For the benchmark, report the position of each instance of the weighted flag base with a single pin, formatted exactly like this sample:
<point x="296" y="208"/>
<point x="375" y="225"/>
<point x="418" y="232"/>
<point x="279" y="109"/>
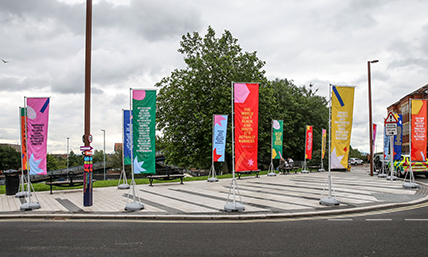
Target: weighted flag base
<point x="123" y="186"/>
<point x="134" y="206"/>
<point x="410" y="185"/>
<point x="329" y="201"/>
<point x="21" y="194"/>
<point x="212" y="179"/>
<point x="29" y="206"/>
<point x="229" y="207"/>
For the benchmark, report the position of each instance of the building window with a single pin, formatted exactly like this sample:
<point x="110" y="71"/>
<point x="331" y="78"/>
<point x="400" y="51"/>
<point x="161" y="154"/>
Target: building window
<point x="404" y="108"/>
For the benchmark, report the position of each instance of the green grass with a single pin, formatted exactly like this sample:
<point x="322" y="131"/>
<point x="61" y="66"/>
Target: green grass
<point x="113" y="183"/>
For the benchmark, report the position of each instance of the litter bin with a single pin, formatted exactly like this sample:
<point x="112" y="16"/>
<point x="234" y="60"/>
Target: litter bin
<point x="11" y="181"/>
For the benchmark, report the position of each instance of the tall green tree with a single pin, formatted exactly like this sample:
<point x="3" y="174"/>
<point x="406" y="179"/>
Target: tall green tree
<point x="189" y="97"/>
<point x="298" y="107"/>
<point x="9" y="158"/>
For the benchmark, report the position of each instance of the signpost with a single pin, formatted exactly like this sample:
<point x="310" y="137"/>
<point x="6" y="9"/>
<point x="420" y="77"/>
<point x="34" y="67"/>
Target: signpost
<point x="391" y="130"/>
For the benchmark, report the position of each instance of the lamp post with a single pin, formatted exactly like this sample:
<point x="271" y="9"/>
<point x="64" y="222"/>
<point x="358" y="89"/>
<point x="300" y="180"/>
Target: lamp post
<point x="104" y="152"/>
<point x="370" y="118"/>
<point x="67" y="150"/>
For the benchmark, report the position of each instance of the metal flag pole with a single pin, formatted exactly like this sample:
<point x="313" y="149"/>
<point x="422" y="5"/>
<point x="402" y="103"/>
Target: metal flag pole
<point x="411" y="184"/>
<point x="322" y="149"/>
<point x="330" y="200"/>
<point x="305" y="169"/>
<point x="28" y="206"/>
<point x="271" y="171"/>
<point x="22" y="192"/>
<point x="233" y="206"/>
<point x="122" y="177"/>
<point x="212" y="176"/>
<point x="134" y="205"/>
<point x="382" y="174"/>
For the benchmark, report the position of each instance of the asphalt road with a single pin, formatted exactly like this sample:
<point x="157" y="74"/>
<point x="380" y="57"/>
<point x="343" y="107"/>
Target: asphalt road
<point x="397" y="232"/>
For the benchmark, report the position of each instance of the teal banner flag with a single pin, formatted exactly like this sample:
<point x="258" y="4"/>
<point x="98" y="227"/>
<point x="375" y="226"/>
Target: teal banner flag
<point x="143" y="131"/>
<point x="277" y="137"/>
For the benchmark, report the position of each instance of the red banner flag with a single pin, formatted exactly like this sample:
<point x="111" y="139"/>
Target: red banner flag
<point x="309" y="140"/>
<point x="246" y="104"/>
<point x="419" y="130"/>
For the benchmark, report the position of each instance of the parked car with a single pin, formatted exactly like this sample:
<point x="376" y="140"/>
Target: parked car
<point x="355" y="161"/>
<point x="403" y="165"/>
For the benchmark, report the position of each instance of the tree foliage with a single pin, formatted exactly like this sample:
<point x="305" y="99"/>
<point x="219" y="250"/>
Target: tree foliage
<point x="9" y="158"/>
<point x="188" y="99"/>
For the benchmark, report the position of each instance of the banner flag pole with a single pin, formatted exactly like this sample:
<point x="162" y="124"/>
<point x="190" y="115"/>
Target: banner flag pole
<point x="22" y="120"/>
<point x="322" y="149"/>
<point x="28" y="205"/>
<point x="233" y="206"/>
<point x="122" y="177"/>
<point x="382" y="173"/>
<point x="304" y="168"/>
<point x="271" y="170"/>
<point x="134" y="205"/>
<point x="412" y="184"/>
<point x="330" y="200"/>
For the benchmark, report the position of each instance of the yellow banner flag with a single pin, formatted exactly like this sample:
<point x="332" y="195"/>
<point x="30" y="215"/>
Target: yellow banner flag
<point x="342" y="107"/>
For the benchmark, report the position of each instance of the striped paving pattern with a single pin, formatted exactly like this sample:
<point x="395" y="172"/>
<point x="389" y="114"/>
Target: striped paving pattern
<point x="280" y="194"/>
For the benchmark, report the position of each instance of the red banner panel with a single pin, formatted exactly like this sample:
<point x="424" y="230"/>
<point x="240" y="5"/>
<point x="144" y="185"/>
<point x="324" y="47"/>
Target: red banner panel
<point x="419" y="130"/>
<point x="309" y="140"/>
<point x="246" y="105"/>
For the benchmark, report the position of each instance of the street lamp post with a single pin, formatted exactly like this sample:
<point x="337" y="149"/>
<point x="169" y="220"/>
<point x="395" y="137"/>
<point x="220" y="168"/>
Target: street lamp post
<point x="104" y="152"/>
<point x="370" y="117"/>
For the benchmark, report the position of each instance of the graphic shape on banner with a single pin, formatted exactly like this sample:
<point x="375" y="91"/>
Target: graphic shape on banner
<point x="309" y="142"/>
<point x="127" y="137"/>
<point x="277" y="138"/>
<point x="342" y="107"/>
<point x="23" y="138"/>
<point x="419" y="130"/>
<point x="219" y="137"/>
<point x="246" y="125"/>
<point x="398" y="139"/>
<point x="143" y="130"/>
<point x="385" y="145"/>
<point x="37" y="134"/>
<point x="374" y="136"/>
<point x="323" y="143"/>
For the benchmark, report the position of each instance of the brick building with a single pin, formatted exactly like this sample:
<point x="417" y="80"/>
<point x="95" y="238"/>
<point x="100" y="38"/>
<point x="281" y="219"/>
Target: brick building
<point x="402" y="107"/>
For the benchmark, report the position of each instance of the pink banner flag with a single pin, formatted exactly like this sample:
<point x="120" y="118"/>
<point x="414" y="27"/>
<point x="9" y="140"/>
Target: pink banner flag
<point x="37" y="134"/>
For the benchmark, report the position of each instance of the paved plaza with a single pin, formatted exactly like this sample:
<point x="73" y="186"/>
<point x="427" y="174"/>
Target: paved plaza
<point x="281" y="196"/>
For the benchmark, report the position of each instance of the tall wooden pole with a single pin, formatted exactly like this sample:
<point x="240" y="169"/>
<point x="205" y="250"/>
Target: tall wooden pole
<point x="87" y="187"/>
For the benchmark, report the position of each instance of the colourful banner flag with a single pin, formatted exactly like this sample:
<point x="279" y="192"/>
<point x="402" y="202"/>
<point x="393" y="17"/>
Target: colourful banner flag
<point x="342" y="107"/>
<point x="23" y="114"/>
<point x="37" y="134"/>
<point x="246" y="103"/>
<point x="143" y="130"/>
<point x="219" y="137"/>
<point x="385" y="145"/>
<point x="309" y="142"/>
<point x="323" y="143"/>
<point x="277" y="139"/>
<point x="374" y="137"/>
<point x="419" y="130"/>
<point x="398" y="139"/>
<point x="127" y="137"/>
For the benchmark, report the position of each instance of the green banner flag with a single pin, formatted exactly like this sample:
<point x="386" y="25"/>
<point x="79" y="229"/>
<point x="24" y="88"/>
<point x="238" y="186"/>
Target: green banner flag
<point x="143" y="130"/>
<point x="277" y="136"/>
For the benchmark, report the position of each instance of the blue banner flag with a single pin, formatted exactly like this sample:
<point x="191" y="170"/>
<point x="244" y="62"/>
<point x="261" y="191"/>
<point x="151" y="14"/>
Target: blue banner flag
<point x="398" y="139"/>
<point x="385" y="144"/>
<point x="127" y="137"/>
<point x="219" y="137"/>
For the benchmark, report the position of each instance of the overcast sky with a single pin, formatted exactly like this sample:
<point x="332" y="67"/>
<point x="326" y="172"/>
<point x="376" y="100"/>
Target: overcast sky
<point x="135" y="42"/>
